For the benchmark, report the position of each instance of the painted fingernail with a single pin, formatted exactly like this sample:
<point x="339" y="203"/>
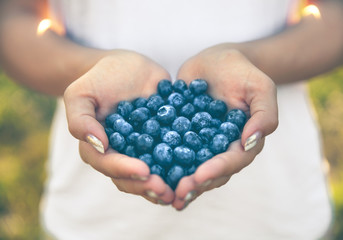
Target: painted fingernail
<point x="186" y="204"/>
<point x="161" y="202"/>
<point x="252" y="141"/>
<point x="96" y="143"/>
<point x="151" y="194"/>
<point x="188" y="199"/>
<point x="190" y="196"/>
<point x="140" y="178"/>
<point x="206" y="183"/>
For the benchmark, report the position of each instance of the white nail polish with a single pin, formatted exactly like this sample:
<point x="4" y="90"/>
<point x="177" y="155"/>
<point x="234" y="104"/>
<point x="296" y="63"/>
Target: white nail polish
<point x="161" y="202"/>
<point x="206" y="183"/>
<point x="190" y="196"/>
<point x="140" y="178"/>
<point x="151" y="194"/>
<point x="96" y="143"/>
<point x="252" y="141"/>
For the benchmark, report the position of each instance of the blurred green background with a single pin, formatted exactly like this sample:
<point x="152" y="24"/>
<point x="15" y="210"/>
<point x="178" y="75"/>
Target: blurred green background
<point x="25" y="118"/>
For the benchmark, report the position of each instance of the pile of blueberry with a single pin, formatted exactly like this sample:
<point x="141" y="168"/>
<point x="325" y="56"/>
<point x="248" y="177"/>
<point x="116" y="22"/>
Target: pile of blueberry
<point x="174" y="130"/>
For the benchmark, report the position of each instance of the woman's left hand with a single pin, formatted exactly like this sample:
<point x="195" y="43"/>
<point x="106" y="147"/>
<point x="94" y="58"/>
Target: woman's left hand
<point x="235" y="80"/>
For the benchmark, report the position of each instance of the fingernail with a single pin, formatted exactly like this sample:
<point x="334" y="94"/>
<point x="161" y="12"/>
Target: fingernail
<point x="206" y="183"/>
<point x="96" y="143"/>
<point x="161" y="202"/>
<point x="252" y="141"/>
<point x="190" y="196"/>
<point x="151" y="194"/>
<point x="186" y="204"/>
<point x="140" y="178"/>
<point x="188" y="199"/>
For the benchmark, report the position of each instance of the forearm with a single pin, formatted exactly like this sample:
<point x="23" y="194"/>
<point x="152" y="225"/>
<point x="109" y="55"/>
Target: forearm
<point x="47" y="63"/>
<point x="311" y="47"/>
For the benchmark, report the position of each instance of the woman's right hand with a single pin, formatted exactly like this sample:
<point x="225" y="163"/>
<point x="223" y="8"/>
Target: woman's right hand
<point x="121" y="75"/>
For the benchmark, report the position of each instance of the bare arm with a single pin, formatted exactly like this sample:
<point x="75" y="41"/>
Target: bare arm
<point x="92" y="82"/>
<point x="304" y="50"/>
<point x="311" y="47"/>
<point x="47" y="63"/>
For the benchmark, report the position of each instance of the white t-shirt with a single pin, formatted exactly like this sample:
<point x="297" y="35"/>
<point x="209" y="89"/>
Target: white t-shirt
<point x="282" y="195"/>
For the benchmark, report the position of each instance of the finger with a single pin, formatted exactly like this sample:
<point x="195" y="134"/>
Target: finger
<point x="189" y="71"/>
<point x="214" y="173"/>
<point x="81" y="116"/>
<point x="188" y="191"/>
<point x="113" y="164"/>
<point x="225" y="164"/>
<point x="261" y="97"/>
<point x="185" y="192"/>
<point x="154" y="189"/>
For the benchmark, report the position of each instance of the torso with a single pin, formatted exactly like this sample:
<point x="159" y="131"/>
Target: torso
<point x="276" y="197"/>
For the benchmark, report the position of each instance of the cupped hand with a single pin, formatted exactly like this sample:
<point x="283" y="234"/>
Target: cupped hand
<point x="120" y="75"/>
<point x="235" y="80"/>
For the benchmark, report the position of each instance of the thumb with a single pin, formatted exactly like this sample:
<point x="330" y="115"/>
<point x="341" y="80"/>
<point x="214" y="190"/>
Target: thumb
<point x="81" y="116"/>
<point x="264" y="114"/>
<point x="189" y="71"/>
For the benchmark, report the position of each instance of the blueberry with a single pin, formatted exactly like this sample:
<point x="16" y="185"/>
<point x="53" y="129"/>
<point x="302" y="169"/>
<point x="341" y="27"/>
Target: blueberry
<point x="172" y="138"/>
<point x="154" y="103"/>
<point x="132" y="138"/>
<point x="198" y="86"/>
<point x="153" y="117"/>
<point x="174" y="175"/>
<point x="124" y="108"/>
<point x="177" y="100"/>
<point x="158" y="170"/>
<point x="163" y="155"/>
<point x="181" y="125"/>
<point x="187" y="110"/>
<point x="138" y="116"/>
<point x="117" y="141"/>
<point x="130" y="151"/>
<point x="110" y="119"/>
<point x="201" y="102"/>
<point x="147" y="158"/>
<point x="144" y="143"/>
<point x="164" y="130"/>
<point x="207" y="134"/>
<point x="152" y="127"/>
<point x="164" y="88"/>
<point x="140" y="102"/>
<point x="192" y="140"/>
<point x="123" y="127"/>
<point x="180" y="86"/>
<point x="215" y="122"/>
<point x="217" y="108"/>
<point x="175" y="130"/>
<point x="201" y="120"/>
<point x="203" y="155"/>
<point x="230" y="130"/>
<point x="188" y="95"/>
<point x="236" y="116"/>
<point x="191" y="170"/>
<point x="184" y="156"/>
<point x="219" y="143"/>
<point x="109" y="132"/>
<point x="166" y="114"/>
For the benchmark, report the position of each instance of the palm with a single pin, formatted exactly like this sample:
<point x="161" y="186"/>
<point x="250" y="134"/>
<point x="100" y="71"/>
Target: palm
<point x="121" y="76"/>
<point x="233" y="79"/>
<point x="113" y="80"/>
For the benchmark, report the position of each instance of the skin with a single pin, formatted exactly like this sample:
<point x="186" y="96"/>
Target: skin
<point x="87" y="78"/>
